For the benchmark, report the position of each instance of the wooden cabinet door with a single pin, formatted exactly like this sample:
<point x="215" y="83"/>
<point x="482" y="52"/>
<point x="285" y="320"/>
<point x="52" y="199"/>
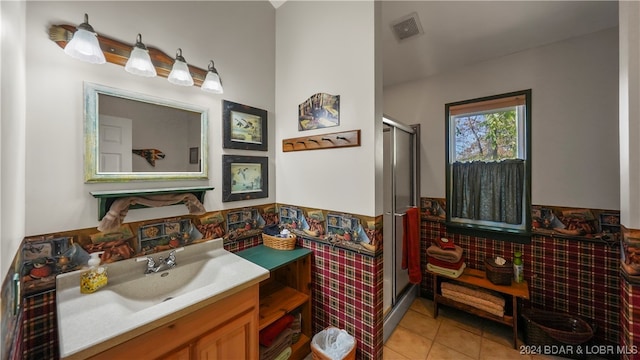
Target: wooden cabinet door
<point x="233" y="340"/>
<point x="182" y="354"/>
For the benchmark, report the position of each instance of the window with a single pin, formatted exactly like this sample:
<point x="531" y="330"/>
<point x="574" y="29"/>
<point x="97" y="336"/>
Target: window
<point x="489" y="167"/>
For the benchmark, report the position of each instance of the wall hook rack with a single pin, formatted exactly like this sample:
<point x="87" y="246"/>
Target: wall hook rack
<point x="324" y="141"/>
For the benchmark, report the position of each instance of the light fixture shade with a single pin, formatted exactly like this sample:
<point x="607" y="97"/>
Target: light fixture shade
<point x="84" y="44"/>
<point x="139" y="62"/>
<point x="180" y="74"/>
<point x="212" y="82"/>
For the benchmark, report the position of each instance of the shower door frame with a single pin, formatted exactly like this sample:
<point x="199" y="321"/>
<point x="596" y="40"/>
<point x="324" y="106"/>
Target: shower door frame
<point x="400" y="302"/>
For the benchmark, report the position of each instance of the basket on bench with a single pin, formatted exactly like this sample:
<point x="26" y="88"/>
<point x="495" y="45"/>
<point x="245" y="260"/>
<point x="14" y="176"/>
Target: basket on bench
<point x="498" y="274"/>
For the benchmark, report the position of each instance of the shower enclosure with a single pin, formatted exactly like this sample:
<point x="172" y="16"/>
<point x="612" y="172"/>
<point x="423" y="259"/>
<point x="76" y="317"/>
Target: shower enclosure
<point x="401" y="192"/>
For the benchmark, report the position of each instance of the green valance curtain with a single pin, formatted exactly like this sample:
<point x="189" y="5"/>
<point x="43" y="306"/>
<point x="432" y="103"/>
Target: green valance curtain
<point x="490" y="191"/>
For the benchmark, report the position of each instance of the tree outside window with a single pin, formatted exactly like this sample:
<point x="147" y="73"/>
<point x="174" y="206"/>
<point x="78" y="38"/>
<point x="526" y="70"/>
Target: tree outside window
<point x="488" y="167"/>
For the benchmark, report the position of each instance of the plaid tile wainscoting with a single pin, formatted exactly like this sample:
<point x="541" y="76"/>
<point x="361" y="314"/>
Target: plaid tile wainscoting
<point x="347" y="294"/>
<point x="564" y="275"/>
<point x="630" y="313"/>
<point x="39" y="327"/>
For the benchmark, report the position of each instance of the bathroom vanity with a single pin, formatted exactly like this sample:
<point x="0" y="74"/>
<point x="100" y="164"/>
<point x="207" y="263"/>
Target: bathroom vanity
<point x="226" y="329"/>
<point x="205" y="307"/>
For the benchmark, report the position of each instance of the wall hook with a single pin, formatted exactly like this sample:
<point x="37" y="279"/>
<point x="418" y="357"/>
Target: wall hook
<point x="323" y="141"/>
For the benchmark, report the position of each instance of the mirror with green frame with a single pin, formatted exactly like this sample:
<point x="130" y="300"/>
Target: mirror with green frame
<point x="131" y="136"/>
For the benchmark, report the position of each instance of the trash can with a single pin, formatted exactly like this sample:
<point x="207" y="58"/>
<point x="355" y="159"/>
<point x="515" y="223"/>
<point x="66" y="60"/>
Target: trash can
<point x="333" y="344"/>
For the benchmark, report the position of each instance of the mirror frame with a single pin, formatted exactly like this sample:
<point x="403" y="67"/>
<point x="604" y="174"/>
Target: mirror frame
<point x="91" y="136"/>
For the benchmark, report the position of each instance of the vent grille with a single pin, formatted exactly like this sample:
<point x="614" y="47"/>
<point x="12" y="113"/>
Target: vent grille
<point x="407" y="27"/>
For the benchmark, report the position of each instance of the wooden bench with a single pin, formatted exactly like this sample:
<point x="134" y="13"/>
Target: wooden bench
<point x="478" y="278"/>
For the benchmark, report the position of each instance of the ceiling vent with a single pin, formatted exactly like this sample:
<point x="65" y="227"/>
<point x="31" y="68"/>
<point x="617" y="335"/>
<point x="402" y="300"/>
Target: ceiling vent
<point x="407" y="27"/>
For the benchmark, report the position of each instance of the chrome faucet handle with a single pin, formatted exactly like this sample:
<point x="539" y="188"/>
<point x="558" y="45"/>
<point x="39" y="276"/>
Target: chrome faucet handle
<point x="172" y="256"/>
<point x="150" y="263"/>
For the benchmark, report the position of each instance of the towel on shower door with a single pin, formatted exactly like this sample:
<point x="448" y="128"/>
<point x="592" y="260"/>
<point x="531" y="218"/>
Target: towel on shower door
<point x="411" y="245"/>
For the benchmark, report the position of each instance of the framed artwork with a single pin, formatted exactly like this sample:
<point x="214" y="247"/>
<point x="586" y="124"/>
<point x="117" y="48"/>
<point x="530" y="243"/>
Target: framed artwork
<point x="244" y="177"/>
<point x="320" y="110"/>
<point x="244" y="127"/>
<point x="193" y="155"/>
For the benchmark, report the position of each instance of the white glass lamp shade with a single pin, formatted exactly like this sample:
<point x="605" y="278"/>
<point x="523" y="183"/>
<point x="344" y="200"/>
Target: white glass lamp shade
<point x="84" y="44"/>
<point x="139" y="62"/>
<point x="180" y="74"/>
<point x="212" y="82"/>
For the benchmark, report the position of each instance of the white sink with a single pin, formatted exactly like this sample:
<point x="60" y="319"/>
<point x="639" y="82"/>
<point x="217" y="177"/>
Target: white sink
<point x="204" y="274"/>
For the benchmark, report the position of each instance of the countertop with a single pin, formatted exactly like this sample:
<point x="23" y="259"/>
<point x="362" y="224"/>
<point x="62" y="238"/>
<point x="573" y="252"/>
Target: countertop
<point x="91" y="323"/>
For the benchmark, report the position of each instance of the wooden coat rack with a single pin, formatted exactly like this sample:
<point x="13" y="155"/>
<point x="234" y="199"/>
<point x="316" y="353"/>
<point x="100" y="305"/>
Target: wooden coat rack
<point x="324" y="141"/>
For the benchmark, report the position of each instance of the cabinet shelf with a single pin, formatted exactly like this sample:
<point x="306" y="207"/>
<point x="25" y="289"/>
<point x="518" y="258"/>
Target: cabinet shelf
<point x="277" y="300"/>
<point x="300" y="349"/>
<point x="287" y="290"/>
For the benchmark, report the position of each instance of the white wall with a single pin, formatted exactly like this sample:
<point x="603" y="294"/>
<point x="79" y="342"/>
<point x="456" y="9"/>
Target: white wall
<point x="238" y="36"/>
<point x="335" y="55"/>
<point x="629" y="114"/>
<point x="574" y="117"/>
<point x="12" y="130"/>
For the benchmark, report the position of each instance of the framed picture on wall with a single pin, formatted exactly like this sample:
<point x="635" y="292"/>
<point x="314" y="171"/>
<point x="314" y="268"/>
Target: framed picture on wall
<point x="244" y="127"/>
<point x="319" y="111"/>
<point x="244" y="177"/>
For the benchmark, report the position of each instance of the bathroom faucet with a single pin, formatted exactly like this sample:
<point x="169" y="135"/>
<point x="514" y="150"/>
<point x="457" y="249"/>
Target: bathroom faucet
<point x="164" y="264"/>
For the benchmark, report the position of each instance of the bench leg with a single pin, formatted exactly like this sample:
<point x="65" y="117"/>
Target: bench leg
<point x="515" y="322"/>
<point x="435" y="296"/>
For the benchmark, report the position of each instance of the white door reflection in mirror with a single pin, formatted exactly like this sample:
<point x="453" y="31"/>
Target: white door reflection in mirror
<point x="115" y="144"/>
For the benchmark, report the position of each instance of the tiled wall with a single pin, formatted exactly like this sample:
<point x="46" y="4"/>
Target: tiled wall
<point x="347" y="294"/>
<point x="565" y="275"/>
<point x="40" y="329"/>
<point x="630" y="332"/>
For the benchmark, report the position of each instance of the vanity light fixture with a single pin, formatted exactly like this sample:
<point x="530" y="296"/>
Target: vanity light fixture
<point x="84" y="44"/>
<point x="121" y="53"/>
<point x="139" y="62"/>
<point x="212" y="83"/>
<point x="180" y="74"/>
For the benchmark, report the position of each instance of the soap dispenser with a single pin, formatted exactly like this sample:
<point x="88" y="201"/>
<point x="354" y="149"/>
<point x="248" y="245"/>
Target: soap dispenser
<point x="95" y="277"/>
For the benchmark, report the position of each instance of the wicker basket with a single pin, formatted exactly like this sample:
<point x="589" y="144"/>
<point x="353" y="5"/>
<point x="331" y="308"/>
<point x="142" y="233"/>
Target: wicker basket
<point x="554" y="328"/>
<point x="498" y="274"/>
<point x="557" y="329"/>
<point x="318" y="355"/>
<point x="279" y="243"/>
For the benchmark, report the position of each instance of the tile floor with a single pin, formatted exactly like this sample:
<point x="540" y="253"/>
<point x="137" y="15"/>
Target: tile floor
<point x="454" y="335"/>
